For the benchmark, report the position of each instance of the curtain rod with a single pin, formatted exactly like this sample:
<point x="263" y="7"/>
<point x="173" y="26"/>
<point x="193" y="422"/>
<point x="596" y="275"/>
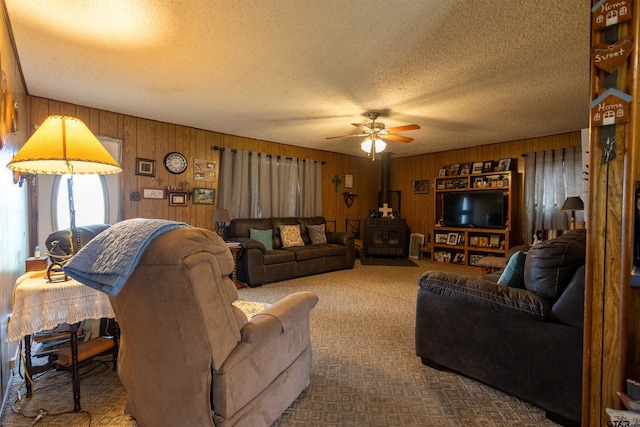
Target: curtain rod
<point x="233" y="150"/>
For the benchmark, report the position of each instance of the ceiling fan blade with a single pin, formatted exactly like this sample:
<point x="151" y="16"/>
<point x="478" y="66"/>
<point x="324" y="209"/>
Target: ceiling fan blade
<point x="361" y="127"/>
<point x="403" y="128"/>
<point x="343" y="136"/>
<point x="398" y="138"/>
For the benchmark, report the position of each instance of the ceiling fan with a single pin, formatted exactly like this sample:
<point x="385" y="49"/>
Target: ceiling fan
<point x="375" y="134"/>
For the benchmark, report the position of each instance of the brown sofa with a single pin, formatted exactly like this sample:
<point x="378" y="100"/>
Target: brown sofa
<point x="525" y="341"/>
<point x="258" y="265"/>
<point x="188" y="357"/>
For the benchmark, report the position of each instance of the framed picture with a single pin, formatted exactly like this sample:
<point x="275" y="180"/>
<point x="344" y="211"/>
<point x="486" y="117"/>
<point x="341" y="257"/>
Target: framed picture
<point x="473" y="240"/>
<point x="204" y="196"/>
<point x="348" y="180"/>
<point x="153" y="193"/>
<point x="454" y="169"/>
<point x="421" y="187"/>
<point x="145" y="167"/>
<point x="452" y="239"/>
<point x="503" y="165"/>
<point x="483" y="241"/>
<point x="465" y="169"/>
<point x="458" y="258"/>
<point x="487" y="166"/>
<point x="441" y="238"/>
<point x="204" y="170"/>
<point x="477" y="167"/>
<point x="443" y="172"/>
<point x="494" y="241"/>
<point x="178" y="199"/>
<point x="460" y="239"/>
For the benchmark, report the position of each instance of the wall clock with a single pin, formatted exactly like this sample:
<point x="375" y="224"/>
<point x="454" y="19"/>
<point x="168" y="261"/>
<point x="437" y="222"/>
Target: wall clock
<point x="175" y="162"/>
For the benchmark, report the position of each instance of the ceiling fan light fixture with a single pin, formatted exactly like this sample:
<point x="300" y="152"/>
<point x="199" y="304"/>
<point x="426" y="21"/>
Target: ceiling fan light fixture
<point x="379" y="146"/>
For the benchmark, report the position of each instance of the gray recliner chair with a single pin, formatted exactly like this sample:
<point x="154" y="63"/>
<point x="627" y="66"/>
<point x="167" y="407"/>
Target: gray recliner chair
<point x="189" y="357"/>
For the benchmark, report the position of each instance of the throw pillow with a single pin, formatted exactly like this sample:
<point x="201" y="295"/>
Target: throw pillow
<point x="263" y="236"/>
<point x="513" y="274"/>
<point x="290" y="235"/>
<point x="317" y="234"/>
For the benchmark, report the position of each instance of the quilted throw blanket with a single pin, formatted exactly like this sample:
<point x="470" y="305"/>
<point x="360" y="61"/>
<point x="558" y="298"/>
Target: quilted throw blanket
<point x="107" y="261"/>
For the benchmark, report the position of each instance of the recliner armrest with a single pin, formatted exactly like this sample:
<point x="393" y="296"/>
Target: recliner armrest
<point x="520" y="302"/>
<point x="278" y="318"/>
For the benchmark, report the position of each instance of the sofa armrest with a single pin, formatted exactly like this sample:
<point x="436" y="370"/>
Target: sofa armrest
<point x="279" y="318"/>
<point x="248" y="243"/>
<point x="339" y="238"/>
<point x="481" y="292"/>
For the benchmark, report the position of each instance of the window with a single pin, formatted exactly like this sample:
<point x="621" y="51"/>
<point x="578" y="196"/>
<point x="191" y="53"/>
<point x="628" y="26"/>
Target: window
<point x="90" y="197"/>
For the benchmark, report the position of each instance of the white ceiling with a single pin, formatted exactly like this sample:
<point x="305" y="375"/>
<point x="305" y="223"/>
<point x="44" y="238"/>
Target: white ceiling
<point x="469" y="72"/>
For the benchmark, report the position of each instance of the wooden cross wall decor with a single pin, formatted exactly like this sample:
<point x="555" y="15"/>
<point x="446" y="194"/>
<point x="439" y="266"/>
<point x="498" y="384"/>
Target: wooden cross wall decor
<point x="385" y="210"/>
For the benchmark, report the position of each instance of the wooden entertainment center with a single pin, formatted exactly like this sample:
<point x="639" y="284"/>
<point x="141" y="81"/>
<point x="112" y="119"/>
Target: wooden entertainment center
<point x="467" y="244"/>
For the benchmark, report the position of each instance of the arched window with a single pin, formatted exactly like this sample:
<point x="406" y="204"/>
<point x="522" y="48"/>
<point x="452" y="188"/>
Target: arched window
<point x="89" y="199"/>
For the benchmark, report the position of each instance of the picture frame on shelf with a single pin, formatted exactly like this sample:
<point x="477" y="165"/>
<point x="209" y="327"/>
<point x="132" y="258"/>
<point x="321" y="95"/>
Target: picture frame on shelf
<point x="477" y="167"/>
<point x="465" y="169"/>
<point x="487" y="166"/>
<point x="204" y="196"/>
<point x="503" y="165"/>
<point x="473" y="240"/>
<point x="458" y="258"/>
<point x="460" y="239"/>
<point x="421" y="186"/>
<point x="452" y="239"/>
<point x="178" y="199"/>
<point x="145" y="167"/>
<point x="494" y="241"/>
<point x="443" y="172"/>
<point x="454" y="169"/>
<point x="441" y="238"/>
<point x="474" y="258"/>
<point x="483" y="241"/>
<point x="153" y="193"/>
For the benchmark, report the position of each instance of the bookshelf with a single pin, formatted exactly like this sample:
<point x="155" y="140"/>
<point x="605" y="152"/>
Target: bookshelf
<point x="465" y="246"/>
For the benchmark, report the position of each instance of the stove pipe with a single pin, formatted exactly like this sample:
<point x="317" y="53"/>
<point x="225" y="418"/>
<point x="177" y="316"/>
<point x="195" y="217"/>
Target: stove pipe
<point x="385" y="179"/>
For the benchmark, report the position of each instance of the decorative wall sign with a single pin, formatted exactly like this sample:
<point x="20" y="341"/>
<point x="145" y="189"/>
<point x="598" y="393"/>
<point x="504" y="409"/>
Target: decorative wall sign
<point x="610" y="12"/>
<point x="610" y="57"/>
<point x="610" y="108"/>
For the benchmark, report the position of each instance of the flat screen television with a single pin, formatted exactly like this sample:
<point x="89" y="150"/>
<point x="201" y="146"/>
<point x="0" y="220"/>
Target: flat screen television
<point x="480" y="209"/>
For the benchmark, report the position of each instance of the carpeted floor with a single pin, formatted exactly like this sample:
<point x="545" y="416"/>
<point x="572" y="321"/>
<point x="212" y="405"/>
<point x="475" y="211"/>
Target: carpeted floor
<point x="390" y="262"/>
<point x="365" y="371"/>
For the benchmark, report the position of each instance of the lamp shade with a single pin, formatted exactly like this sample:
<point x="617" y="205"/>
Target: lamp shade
<point x="380" y="145"/>
<point x="221" y="216"/>
<point x="63" y="145"/>
<point x="574" y="203"/>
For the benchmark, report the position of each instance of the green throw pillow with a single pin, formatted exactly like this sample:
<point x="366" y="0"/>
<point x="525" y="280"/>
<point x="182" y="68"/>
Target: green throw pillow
<point x="317" y="234"/>
<point x="263" y="236"/>
<point x="513" y="274"/>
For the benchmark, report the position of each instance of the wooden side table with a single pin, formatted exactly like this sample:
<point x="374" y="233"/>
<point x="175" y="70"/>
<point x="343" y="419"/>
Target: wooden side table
<point x="236" y="251"/>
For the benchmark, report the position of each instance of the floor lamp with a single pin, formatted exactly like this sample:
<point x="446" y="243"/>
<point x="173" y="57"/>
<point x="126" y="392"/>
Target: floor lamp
<point x="64" y="146"/>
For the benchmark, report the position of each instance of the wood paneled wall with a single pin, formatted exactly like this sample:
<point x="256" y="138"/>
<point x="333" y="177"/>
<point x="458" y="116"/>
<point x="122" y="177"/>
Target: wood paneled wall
<point x="152" y="140"/>
<point x="418" y="209"/>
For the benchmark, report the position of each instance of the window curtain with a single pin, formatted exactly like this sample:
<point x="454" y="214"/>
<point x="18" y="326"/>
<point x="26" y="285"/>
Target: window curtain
<point x="258" y="185"/>
<point x="551" y="177"/>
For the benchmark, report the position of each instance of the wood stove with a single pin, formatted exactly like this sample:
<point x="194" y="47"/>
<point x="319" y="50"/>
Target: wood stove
<point x="386" y="237"/>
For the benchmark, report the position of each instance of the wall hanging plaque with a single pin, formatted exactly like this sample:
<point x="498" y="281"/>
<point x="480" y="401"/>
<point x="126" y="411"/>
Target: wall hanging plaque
<point x="610" y="108"/>
<point x="610" y="12"/>
<point x="610" y="57"/>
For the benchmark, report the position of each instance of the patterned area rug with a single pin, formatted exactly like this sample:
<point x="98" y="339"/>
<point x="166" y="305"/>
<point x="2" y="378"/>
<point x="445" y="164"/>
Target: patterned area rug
<point x="364" y="373"/>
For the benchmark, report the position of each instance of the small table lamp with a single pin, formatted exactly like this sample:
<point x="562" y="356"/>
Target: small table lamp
<point x="573" y="204"/>
<point x="221" y="218"/>
<point x="60" y="146"/>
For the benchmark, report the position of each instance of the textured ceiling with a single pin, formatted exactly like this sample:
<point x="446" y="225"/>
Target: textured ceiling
<point x="298" y="71"/>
